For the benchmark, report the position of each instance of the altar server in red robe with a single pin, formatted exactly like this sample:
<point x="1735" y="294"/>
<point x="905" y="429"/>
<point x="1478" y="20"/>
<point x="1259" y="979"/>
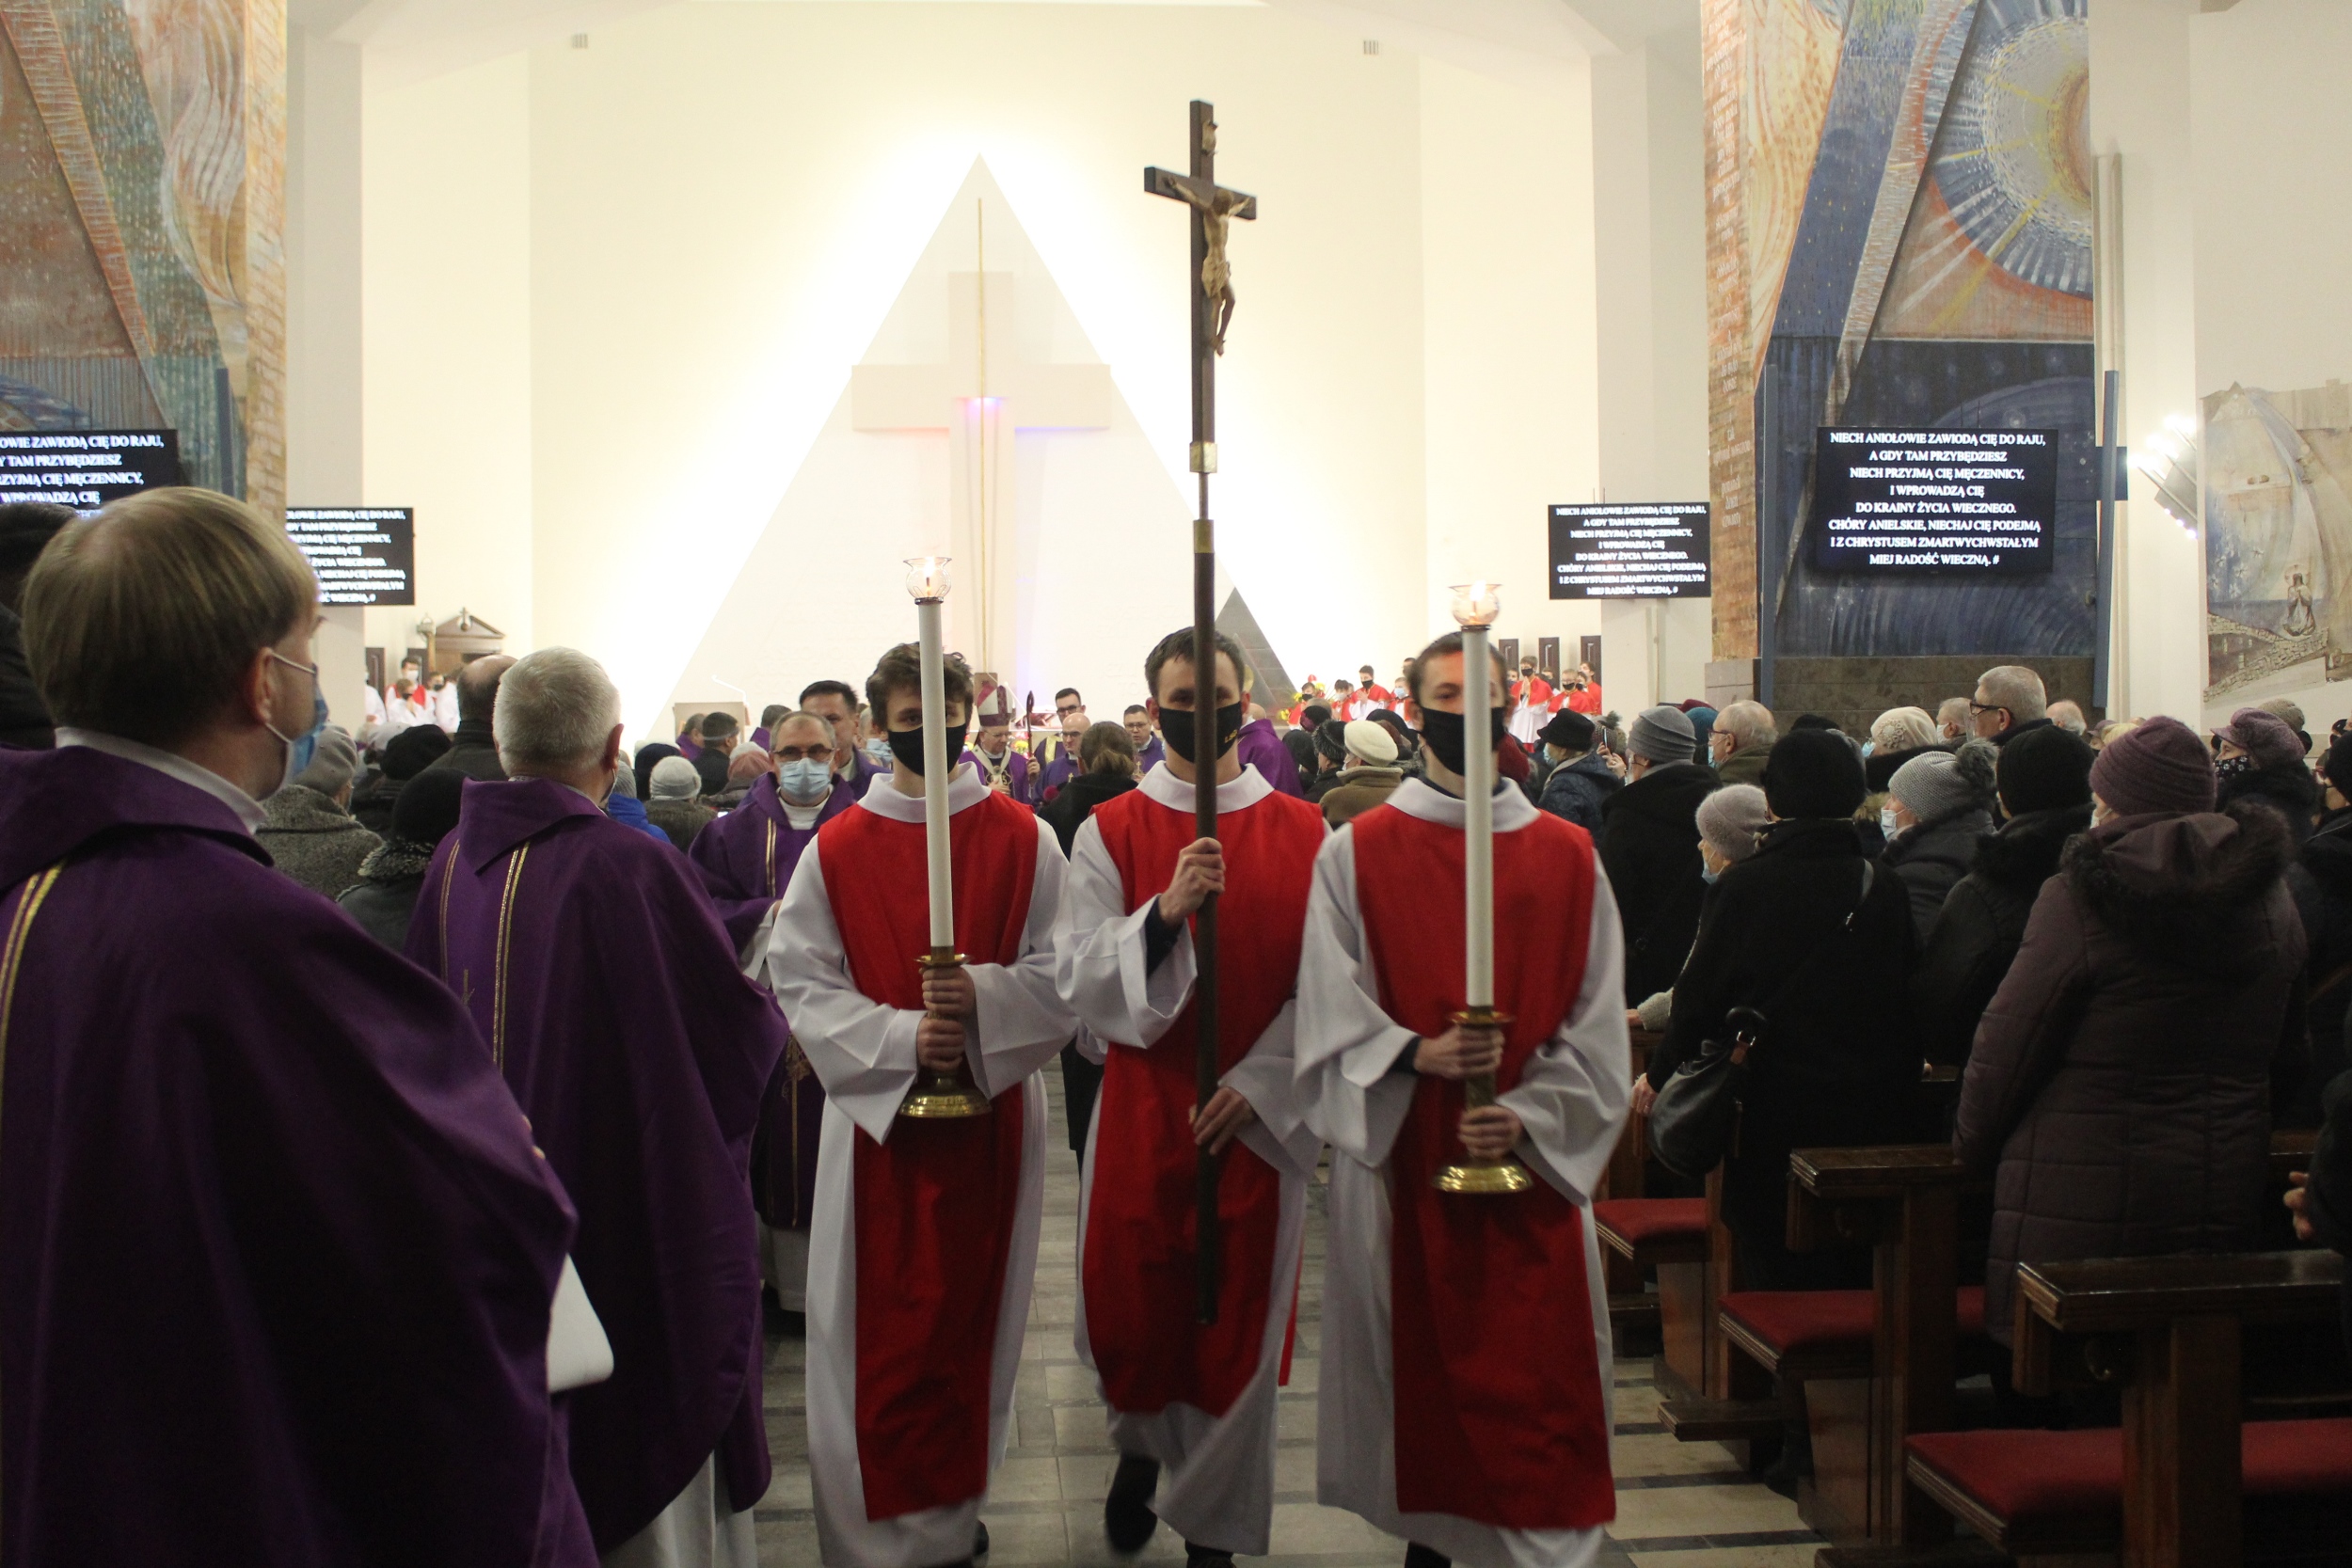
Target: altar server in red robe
<point x="1465" y="1356"/>
<point x="1191" y="1407"/>
<point x="610" y="997"/>
<point x="925" y="1239"/>
<point x="277" y="1256"/>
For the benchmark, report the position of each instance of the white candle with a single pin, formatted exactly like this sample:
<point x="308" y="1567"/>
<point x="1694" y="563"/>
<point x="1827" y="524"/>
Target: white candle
<point x="937" y="769"/>
<point x="1478" y="847"/>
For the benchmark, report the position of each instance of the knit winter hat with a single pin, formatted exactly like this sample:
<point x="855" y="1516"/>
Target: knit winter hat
<point x="1813" y="773"/>
<point x="1934" y="785"/>
<point x="2045" y="770"/>
<point x="1331" y="739"/>
<point x="1371" y="742"/>
<point x="1702" y="726"/>
<point x="426" y="811"/>
<point x="1569" y="730"/>
<point x="2269" y="739"/>
<point x="333" y="765"/>
<point x="1662" y="734"/>
<point x="674" y="779"/>
<point x="2159" y="767"/>
<point x="413" y="749"/>
<point x="1730" y="819"/>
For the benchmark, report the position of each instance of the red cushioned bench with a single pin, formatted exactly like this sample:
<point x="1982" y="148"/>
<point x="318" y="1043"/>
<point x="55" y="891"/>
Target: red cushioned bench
<point x="2052" y="1491"/>
<point x="1800" y="1336"/>
<point x="1641" y="1234"/>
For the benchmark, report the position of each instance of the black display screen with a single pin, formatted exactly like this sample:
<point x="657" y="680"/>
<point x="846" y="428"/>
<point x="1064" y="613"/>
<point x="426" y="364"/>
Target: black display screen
<point x="85" y="469"/>
<point x="362" y="554"/>
<point x="1630" y="550"/>
<point x="1980" y="502"/>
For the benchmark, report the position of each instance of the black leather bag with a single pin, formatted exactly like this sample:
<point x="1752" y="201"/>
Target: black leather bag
<point x="1694" y="1119"/>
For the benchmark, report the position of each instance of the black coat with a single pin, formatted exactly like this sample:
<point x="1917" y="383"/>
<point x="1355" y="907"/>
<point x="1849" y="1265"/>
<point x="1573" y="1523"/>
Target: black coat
<point x="1836" y="1064"/>
<point x="2287" y="788"/>
<point x="1650" y="846"/>
<point x="1966" y="951"/>
<point x="1068" y="811"/>
<point x="2321" y="880"/>
<point x="24" y="718"/>
<point x="472" y="752"/>
<point x="2328" y="1203"/>
<point x="1931" y="858"/>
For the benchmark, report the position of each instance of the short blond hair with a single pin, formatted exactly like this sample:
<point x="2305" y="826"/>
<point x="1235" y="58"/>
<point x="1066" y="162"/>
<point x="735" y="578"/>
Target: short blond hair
<point x="142" y="621"/>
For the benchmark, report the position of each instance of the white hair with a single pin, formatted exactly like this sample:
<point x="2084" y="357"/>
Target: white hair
<point x="2017" y="688"/>
<point x="1903" y="729"/>
<point x="1748" y="722"/>
<point x="556" y="709"/>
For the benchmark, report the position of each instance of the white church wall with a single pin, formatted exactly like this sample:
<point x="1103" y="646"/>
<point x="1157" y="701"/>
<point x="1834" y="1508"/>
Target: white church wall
<point x="447" y="339"/>
<point x="727" y="198"/>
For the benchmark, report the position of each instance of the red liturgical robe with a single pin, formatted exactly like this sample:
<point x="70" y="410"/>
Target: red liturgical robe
<point x="1142" y="1221"/>
<point x="1501" y="1414"/>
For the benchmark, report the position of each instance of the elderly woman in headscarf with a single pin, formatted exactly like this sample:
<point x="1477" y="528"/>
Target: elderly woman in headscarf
<point x="1732" y="822"/>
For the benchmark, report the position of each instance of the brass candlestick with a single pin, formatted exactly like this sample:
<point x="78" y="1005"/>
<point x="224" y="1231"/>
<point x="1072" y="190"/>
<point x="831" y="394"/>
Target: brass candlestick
<point x="1506" y="1175"/>
<point x="945" y="1096"/>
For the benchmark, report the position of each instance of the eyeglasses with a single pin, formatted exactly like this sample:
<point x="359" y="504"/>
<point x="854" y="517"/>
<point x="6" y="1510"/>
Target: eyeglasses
<point x="1975" y="706"/>
<point x="1061" y="712"/>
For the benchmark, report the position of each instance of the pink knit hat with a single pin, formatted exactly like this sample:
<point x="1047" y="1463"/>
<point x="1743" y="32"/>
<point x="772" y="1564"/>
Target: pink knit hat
<point x="2159" y="767"/>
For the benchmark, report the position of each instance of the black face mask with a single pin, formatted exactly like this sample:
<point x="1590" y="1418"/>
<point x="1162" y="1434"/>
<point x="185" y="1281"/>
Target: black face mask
<point x="1177" y="729"/>
<point x="907" y="746"/>
<point x="1442" y="734"/>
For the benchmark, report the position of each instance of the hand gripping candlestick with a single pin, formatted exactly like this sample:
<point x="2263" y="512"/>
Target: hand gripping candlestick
<point x="1475" y="605"/>
<point x="939" y="1095"/>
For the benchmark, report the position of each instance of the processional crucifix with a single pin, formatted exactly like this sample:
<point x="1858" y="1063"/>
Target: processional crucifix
<point x="1212" y="209"/>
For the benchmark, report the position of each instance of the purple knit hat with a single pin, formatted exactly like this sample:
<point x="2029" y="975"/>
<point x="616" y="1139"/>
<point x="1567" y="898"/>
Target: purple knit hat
<point x="2159" y="767"/>
<point x="2265" y="737"/>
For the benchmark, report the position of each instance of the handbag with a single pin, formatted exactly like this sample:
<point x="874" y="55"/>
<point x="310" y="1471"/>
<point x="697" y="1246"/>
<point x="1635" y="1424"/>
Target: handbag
<point x="1697" y="1115"/>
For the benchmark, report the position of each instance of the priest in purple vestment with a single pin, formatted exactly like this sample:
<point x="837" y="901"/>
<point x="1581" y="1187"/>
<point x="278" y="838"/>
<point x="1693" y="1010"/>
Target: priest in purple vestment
<point x="837" y="702"/>
<point x="747" y="858"/>
<point x="277" y="1255"/>
<point x="1262" y="750"/>
<point x="595" y="966"/>
<point x="992" y="755"/>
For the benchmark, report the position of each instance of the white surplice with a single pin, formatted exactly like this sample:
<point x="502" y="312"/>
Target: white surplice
<point x="1572" y="1097"/>
<point x="864" y="1054"/>
<point x="1216" y="1479"/>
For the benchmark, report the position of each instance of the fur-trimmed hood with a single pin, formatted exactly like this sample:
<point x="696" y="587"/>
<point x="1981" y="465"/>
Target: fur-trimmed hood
<point x="2287" y="785"/>
<point x="2025" y="853"/>
<point x="2185" y="889"/>
<point x="397" y="860"/>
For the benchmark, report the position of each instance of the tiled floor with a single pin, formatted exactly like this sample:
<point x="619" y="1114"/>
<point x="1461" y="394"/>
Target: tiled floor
<point x="1680" y="1505"/>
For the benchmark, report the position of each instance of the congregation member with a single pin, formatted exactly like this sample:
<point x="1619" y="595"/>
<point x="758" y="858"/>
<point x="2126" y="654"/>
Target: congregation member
<point x="1149" y="749"/>
<point x="1896" y="736"/>
<point x="2119" y="1089"/>
<point x="623" y="806"/>
<point x="2067" y="714"/>
<point x="1649" y="843"/>
<point x="1331" y="756"/>
<point x="2291" y="714"/>
<point x="1467" y="1369"/>
<point x="1191" y="1407"/>
<point x="1106" y="762"/>
<point x="1954" y="722"/>
<point x="281" y="1258"/>
<point x="1581" y="781"/>
<point x="473" y="744"/>
<point x="1732" y="823"/>
<point x="2044" y="785"/>
<point x="2258" y="757"/>
<point x="406" y="755"/>
<point x="384" y="898"/>
<point x="1367" y="779"/>
<point x="596" y="970"/>
<point x="715" y="745"/>
<point x="1300" y="739"/>
<point x="923" y="1245"/>
<point x="675" y="806"/>
<point x="2322" y="885"/>
<point x="1817" y="938"/>
<point x="1740" y="742"/>
<point x="746" y="765"/>
<point x="2009" y="701"/>
<point x="25" y="530"/>
<point x="307" y="827"/>
<point x="1939" y="806"/>
<point x="1002" y="769"/>
<point x="838" y="703"/>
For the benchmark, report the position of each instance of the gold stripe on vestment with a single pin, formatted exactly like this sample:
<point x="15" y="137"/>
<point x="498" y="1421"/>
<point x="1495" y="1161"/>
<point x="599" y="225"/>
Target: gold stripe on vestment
<point x="498" y="984"/>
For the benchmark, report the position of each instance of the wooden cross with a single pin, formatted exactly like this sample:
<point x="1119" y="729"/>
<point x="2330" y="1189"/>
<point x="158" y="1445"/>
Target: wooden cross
<point x="1212" y="208"/>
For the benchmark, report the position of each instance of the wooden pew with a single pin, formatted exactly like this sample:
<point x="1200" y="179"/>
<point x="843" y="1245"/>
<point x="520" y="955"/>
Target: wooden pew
<point x="2170" y="1487"/>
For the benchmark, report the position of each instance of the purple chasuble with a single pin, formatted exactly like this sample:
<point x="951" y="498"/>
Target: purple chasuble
<point x="1016" y="770"/>
<point x="747" y="859"/>
<point x="1153" y="754"/>
<point x="1262" y="750"/>
<point x="276" y="1253"/>
<point x="595" y="967"/>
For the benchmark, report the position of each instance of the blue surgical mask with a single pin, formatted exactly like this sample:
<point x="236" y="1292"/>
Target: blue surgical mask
<point x="804" y="781"/>
<point x="1707" y="875"/>
<point x="878" y="752"/>
<point x="1888" y="824"/>
<point x="301" y="748"/>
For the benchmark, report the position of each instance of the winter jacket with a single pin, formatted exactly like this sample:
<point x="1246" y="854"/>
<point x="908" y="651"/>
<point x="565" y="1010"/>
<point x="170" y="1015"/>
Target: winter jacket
<point x="2328" y="1200"/>
<point x="1068" y="811"/>
<point x="1836" y="1064"/>
<point x="24" y="718"/>
<point x="1931" y="857"/>
<point x="2321" y="880"/>
<point x="1745" y="765"/>
<point x="1577" y="789"/>
<point x="2288" y="789"/>
<point x="680" y="820"/>
<point x="313" y="840"/>
<point x="1967" y="949"/>
<point x="2121" y="1078"/>
<point x="1359" y="789"/>
<point x="472" y="752"/>
<point x="386" y="894"/>
<point x="1650" y="846"/>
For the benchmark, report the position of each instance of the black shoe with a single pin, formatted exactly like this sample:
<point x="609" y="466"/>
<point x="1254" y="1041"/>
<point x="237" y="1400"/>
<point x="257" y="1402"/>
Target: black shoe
<point x="979" y="1540"/>
<point x="1419" y="1556"/>
<point x="1207" y="1556"/>
<point x="1127" y="1517"/>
